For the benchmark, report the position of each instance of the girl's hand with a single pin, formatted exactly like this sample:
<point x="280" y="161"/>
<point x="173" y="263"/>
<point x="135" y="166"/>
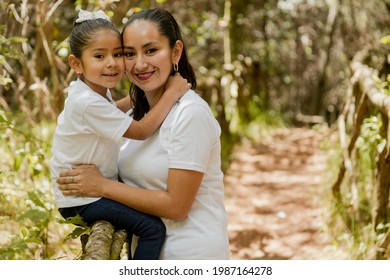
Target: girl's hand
<point x="177" y="86"/>
<point x="82" y="180"/>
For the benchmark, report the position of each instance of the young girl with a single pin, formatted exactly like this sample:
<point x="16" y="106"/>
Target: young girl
<point x="90" y="128"/>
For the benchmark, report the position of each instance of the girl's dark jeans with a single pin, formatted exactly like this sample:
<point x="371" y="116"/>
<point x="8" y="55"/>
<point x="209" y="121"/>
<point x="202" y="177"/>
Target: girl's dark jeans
<point x="149" y="229"/>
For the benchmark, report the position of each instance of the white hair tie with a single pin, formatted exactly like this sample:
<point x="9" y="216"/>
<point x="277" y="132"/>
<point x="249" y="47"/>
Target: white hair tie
<point x="85" y="15"/>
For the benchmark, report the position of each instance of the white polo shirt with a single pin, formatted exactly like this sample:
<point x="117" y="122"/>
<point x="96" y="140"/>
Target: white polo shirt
<point x="189" y="138"/>
<point x="89" y="130"/>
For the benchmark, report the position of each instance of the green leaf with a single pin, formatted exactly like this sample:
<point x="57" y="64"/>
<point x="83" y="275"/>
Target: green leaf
<point x="17" y="39"/>
<point x="385" y="40"/>
<point x="37" y="169"/>
<point x="35" y="197"/>
<point x="76" y="220"/>
<point x="3" y="117"/>
<point x="17" y="162"/>
<point x="76" y="233"/>
<point x="4" y="81"/>
<point x="24" y="231"/>
<point x="36" y="216"/>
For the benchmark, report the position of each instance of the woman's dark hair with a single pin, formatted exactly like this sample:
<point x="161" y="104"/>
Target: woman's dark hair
<point x="169" y="28"/>
<point x="84" y="31"/>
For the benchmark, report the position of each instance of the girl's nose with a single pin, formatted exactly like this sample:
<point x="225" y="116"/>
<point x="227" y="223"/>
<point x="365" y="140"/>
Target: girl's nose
<point x="111" y="61"/>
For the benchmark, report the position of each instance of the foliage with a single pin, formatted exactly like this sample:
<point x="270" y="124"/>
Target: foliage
<point x="7" y="51"/>
<point x="385" y="40"/>
<point x="352" y="222"/>
<point x="26" y="201"/>
<point x="81" y="226"/>
<point x="275" y="50"/>
<point x="385" y="85"/>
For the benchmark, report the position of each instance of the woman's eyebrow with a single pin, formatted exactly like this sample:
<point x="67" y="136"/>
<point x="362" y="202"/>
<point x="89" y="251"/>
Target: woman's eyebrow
<point x="143" y="46"/>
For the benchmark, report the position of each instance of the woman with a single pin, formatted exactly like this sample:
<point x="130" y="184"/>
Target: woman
<point x="176" y="173"/>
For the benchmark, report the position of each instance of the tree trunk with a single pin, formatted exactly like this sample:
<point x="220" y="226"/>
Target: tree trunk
<point x="324" y="58"/>
<point x="227" y="76"/>
<point x="119" y="239"/>
<point x="99" y="242"/>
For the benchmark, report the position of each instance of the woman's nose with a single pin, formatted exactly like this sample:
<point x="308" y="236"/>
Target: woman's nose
<point x="140" y="63"/>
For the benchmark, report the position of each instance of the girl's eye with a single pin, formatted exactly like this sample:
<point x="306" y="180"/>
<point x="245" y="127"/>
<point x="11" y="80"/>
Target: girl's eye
<point x="118" y="54"/>
<point x="99" y="56"/>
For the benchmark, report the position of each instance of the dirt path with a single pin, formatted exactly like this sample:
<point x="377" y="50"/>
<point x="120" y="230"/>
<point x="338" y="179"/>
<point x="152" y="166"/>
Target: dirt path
<point x="272" y="198"/>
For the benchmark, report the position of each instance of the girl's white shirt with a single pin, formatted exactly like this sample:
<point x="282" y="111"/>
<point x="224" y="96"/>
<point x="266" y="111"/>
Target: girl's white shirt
<point x="88" y="131"/>
<point x="189" y="138"/>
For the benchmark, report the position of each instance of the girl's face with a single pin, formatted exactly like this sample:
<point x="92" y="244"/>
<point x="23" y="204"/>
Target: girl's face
<point x="148" y="56"/>
<point x="102" y="62"/>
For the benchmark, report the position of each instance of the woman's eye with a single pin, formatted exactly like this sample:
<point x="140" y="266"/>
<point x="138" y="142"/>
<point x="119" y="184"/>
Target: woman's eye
<point x="118" y="54"/>
<point x="129" y="54"/>
<point x="150" y="51"/>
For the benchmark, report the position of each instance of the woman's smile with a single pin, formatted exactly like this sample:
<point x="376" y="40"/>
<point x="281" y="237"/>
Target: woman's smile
<point x="144" y="76"/>
<point x="148" y="56"/>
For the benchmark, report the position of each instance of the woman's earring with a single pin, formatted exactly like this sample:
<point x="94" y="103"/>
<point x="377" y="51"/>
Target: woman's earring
<point x="176" y="67"/>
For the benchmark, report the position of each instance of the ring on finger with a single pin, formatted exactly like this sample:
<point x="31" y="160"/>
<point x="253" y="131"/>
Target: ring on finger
<point x="71" y="179"/>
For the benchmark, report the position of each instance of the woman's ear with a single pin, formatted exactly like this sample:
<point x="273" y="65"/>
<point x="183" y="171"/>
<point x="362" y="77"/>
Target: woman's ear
<point x="177" y="51"/>
<point x="75" y="63"/>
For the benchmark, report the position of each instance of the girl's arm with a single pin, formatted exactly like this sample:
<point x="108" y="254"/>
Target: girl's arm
<point x="124" y="104"/>
<point x="174" y="204"/>
<point x="144" y="128"/>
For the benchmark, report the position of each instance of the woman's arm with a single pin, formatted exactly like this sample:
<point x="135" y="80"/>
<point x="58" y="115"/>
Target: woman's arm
<point x="174" y="204"/>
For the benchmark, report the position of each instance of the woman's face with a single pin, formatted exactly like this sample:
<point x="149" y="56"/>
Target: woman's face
<point x="148" y="56"/>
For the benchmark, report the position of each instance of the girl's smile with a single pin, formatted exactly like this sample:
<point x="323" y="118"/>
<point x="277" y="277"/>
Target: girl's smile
<point x="102" y="61"/>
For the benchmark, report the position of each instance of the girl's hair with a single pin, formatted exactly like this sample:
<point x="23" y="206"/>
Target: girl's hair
<point x="84" y="31"/>
<point x="169" y="28"/>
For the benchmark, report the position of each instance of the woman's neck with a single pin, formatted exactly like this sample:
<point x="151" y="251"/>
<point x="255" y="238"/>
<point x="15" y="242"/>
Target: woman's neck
<point x="154" y="96"/>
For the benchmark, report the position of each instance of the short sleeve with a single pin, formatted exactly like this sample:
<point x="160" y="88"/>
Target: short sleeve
<point x="105" y="120"/>
<point x="192" y="137"/>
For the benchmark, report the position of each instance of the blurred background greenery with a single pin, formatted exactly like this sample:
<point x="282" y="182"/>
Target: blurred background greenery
<point x="260" y="64"/>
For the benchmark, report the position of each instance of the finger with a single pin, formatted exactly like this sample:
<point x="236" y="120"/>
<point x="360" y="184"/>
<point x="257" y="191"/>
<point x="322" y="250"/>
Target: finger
<point x="62" y="187"/>
<point x="82" y="166"/>
<point x="69" y="173"/>
<point x="67" y="188"/>
<point x="66" y="180"/>
<point x="63" y="180"/>
<point x="68" y="193"/>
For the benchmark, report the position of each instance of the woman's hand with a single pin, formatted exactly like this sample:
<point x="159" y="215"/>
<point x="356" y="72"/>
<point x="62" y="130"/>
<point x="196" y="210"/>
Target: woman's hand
<point x="82" y="180"/>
